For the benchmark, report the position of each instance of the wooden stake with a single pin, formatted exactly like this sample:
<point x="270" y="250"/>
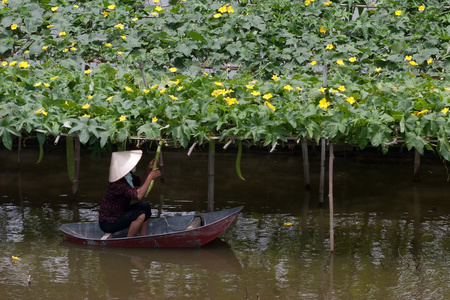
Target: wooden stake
<point x="330" y="196"/>
<point x="416" y="165"/>
<point x="77" y="167"/>
<point x="211" y="154"/>
<point x="322" y="172"/>
<point x="306" y="164"/>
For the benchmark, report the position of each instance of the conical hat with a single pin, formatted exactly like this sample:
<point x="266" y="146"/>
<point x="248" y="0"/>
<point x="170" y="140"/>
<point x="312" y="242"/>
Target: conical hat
<point x="122" y="163"/>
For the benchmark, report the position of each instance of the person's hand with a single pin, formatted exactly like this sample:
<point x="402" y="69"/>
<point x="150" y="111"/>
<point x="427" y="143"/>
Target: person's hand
<point x="154" y="174"/>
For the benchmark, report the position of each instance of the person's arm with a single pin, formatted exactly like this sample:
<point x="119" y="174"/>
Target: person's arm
<point x="142" y="190"/>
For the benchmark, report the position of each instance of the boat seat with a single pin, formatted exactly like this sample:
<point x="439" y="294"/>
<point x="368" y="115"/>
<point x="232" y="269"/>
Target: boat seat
<point x="185" y="222"/>
<point x="196" y="222"/>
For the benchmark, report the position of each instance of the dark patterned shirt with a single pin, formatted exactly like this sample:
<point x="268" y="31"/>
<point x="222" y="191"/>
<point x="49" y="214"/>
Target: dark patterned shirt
<point x="117" y="198"/>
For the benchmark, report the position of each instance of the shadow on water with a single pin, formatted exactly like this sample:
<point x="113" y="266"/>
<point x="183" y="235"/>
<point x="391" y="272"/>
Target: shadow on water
<point x="391" y="234"/>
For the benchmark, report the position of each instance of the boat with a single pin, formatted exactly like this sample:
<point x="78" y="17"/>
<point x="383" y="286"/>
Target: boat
<point x="193" y="230"/>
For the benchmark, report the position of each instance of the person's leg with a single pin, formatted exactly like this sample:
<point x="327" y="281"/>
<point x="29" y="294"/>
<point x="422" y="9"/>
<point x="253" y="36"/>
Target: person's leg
<point x="144" y="227"/>
<point x="136" y="225"/>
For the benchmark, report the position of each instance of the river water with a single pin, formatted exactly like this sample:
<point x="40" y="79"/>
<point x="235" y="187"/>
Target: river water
<point x="391" y="234"/>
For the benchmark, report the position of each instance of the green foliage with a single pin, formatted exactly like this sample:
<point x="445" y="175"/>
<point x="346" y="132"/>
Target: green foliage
<point x="74" y="69"/>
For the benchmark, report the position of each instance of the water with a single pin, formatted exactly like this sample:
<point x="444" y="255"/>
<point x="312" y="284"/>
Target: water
<point x="391" y="234"/>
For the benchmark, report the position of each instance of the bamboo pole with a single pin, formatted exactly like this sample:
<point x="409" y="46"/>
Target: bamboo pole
<point x="322" y="172"/>
<point x="330" y="196"/>
<point x="306" y="164"/>
<point x="211" y="154"/>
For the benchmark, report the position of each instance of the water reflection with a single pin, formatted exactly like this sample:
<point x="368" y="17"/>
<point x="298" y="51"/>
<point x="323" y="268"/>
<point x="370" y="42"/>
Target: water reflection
<point x="391" y="234"/>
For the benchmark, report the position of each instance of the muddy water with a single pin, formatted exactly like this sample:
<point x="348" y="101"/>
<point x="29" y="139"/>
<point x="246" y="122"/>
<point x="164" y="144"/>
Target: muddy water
<point x="391" y="234"/>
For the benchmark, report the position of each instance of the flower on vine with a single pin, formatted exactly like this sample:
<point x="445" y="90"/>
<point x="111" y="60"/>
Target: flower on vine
<point x="255" y="93"/>
<point x="75" y="6"/>
<point x="287" y="87"/>
<point x="41" y="111"/>
<point x="44" y="47"/>
<point x="111" y="7"/>
<point x="230" y="9"/>
<point x="421" y="8"/>
<point x="328" y="3"/>
<point x="158" y="8"/>
<point x="66" y="103"/>
<point x="134" y="19"/>
<point x="446" y="89"/>
<point x="105" y="14"/>
<point x="340" y="62"/>
<point x="429" y="61"/>
<point x="299" y="89"/>
<point x="54" y="8"/>
<point x="173" y="97"/>
<point x="162" y="91"/>
<point x="46" y="84"/>
<point x="54" y="78"/>
<point x="86" y="116"/>
<point x="87" y="72"/>
<point x="120" y="26"/>
<point x="323" y="29"/>
<point x="119" y="52"/>
<point x="413" y="63"/>
<point x="333" y="90"/>
<point x="86" y="106"/>
<point x="38" y="84"/>
<point x="89" y="97"/>
<point x="176" y="82"/>
<point x="377" y="69"/>
<point x="128" y="89"/>
<point x="108" y="45"/>
<point x="218" y="83"/>
<point x="222" y="9"/>
<point x="287" y="224"/>
<point x="62" y="33"/>
<point x="341" y="88"/>
<point x="445" y="110"/>
<point x="231" y="101"/>
<point x="313" y="63"/>
<point x="322" y="90"/>
<point x="146" y="91"/>
<point x="269" y="105"/>
<point x="50" y="26"/>
<point x="307" y="2"/>
<point x="418" y="113"/>
<point x="122" y="118"/>
<point x="123" y="37"/>
<point x="408" y="57"/>
<point x="352" y="59"/>
<point x="65" y="50"/>
<point x="216" y="16"/>
<point x="4" y="63"/>
<point x="350" y="100"/>
<point x="324" y="103"/>
<point x="398" y="12"/>
<point x="73" y="49"/>
<point x="154" y="86"/>
<point x="24" y="65"/>
<point x="154" y="119"/>
<point x="275" y="78"/>
<point x="13" y="26"/>
<point x="329" y="47"/>
<point x="109" y="98"/>
<point x="267" y="96"/>
<point x="180" y="88"/>
<point x="173" y="70"/>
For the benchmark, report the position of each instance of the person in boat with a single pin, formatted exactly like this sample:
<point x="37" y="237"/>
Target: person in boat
<point x="116" y="211"/>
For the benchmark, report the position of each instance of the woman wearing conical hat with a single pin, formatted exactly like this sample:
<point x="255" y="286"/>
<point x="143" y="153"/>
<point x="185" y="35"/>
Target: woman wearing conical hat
<point x="116" y="213"/>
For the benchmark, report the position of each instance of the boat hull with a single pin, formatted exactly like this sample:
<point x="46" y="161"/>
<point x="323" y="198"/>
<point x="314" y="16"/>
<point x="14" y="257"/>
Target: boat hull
<point x="215" y="223"/>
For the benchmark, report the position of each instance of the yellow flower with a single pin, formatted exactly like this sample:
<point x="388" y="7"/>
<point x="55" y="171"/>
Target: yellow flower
<point x="65" y="50"/>
<point x="173" y="70"/>
<point x="89" y="97"/>
<point x="333" y="90"/>
<point x="324" y="103"/>
<point x="249" y="86"/>
<point x="350" y="100"/>
<point x="134" y="19"/>
<point x="162" y="91"/>
<point x="44" y="48"/>
<point x="176" y="82"/>
<point x="146" y="91"/>
<point x="421" y="8"/>
<point x="123" y="37"/>
<point x="413" y="63"/>
<point x="408" y="57"/>
<point x="41" y="111"/>
<point x="328" y="3"/>
<point x="87" y="72"/>
<point x="288" y="87"/>
<point x="24" y="65"/>
<point x="230" y="9"/>
<point x="66" y="103"/>
<point x="429" y="61"/>
<point x="4" y="63"/>
<point x="154" y="13"/>
<point x="329" y="47"/>
<point x="275" y="78"/>
<point x="158" y="8"/>
<point x="446" y="89"/>
<point x="173" y="97"/>
<point x="322" y="29"/>
<point x="155" y="86"/>
<point x="299" y="89"/>
<point x="287" y="224"/>
<point x="218" y="83"/>
<point x="13" y="26"/>
<point x="108" y="45"/>
<point x="54" y="8"/>
<point x="105" y="14"/>
<point x="352" y="59"/>
<point x="222" y="9"/>
<point x="50" y="26"/>
<point x="341" y="88"/>
<point x="128" y="89"/>
<point x="307" y="2"/>
<point x="269" y="105"/>
<point x="377" y="69"/>
<point x="73" y="49"/>
<point x="445" y="110"/>
<point x="120" y="26"/>
<point x="322" y="90"/>
<point x="4" y="1"/>
<point x="120" y="52"/>
<point x="122" y="118"/>
<point x="14" y="62"/>
<point x="86" y="106"/>
<point x="38" y="84"/>
<point x="255" y="93"/>
<point x="75" y="6"/>
<point x="340" y="62"/>
<point x="231" y="101"/>
<point x="313" y="63"/>
<point x="112" y="6"/>
<point x="46" y="84"/>
<point x="109" y="98"/>
<point x="62" y="33"/>
<point x="216" y="16"/>
<point x="154" y="119"/>
<point x="54" y="78"/>
<point x="398" y="12"/>
<point x="179" y="88"/>
<point x="86" y="116"/>
<point x="267" y="96"/>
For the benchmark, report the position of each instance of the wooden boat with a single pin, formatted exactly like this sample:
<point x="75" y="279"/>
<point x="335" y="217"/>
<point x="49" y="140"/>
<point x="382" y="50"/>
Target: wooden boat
<point x="178" y="231"/>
